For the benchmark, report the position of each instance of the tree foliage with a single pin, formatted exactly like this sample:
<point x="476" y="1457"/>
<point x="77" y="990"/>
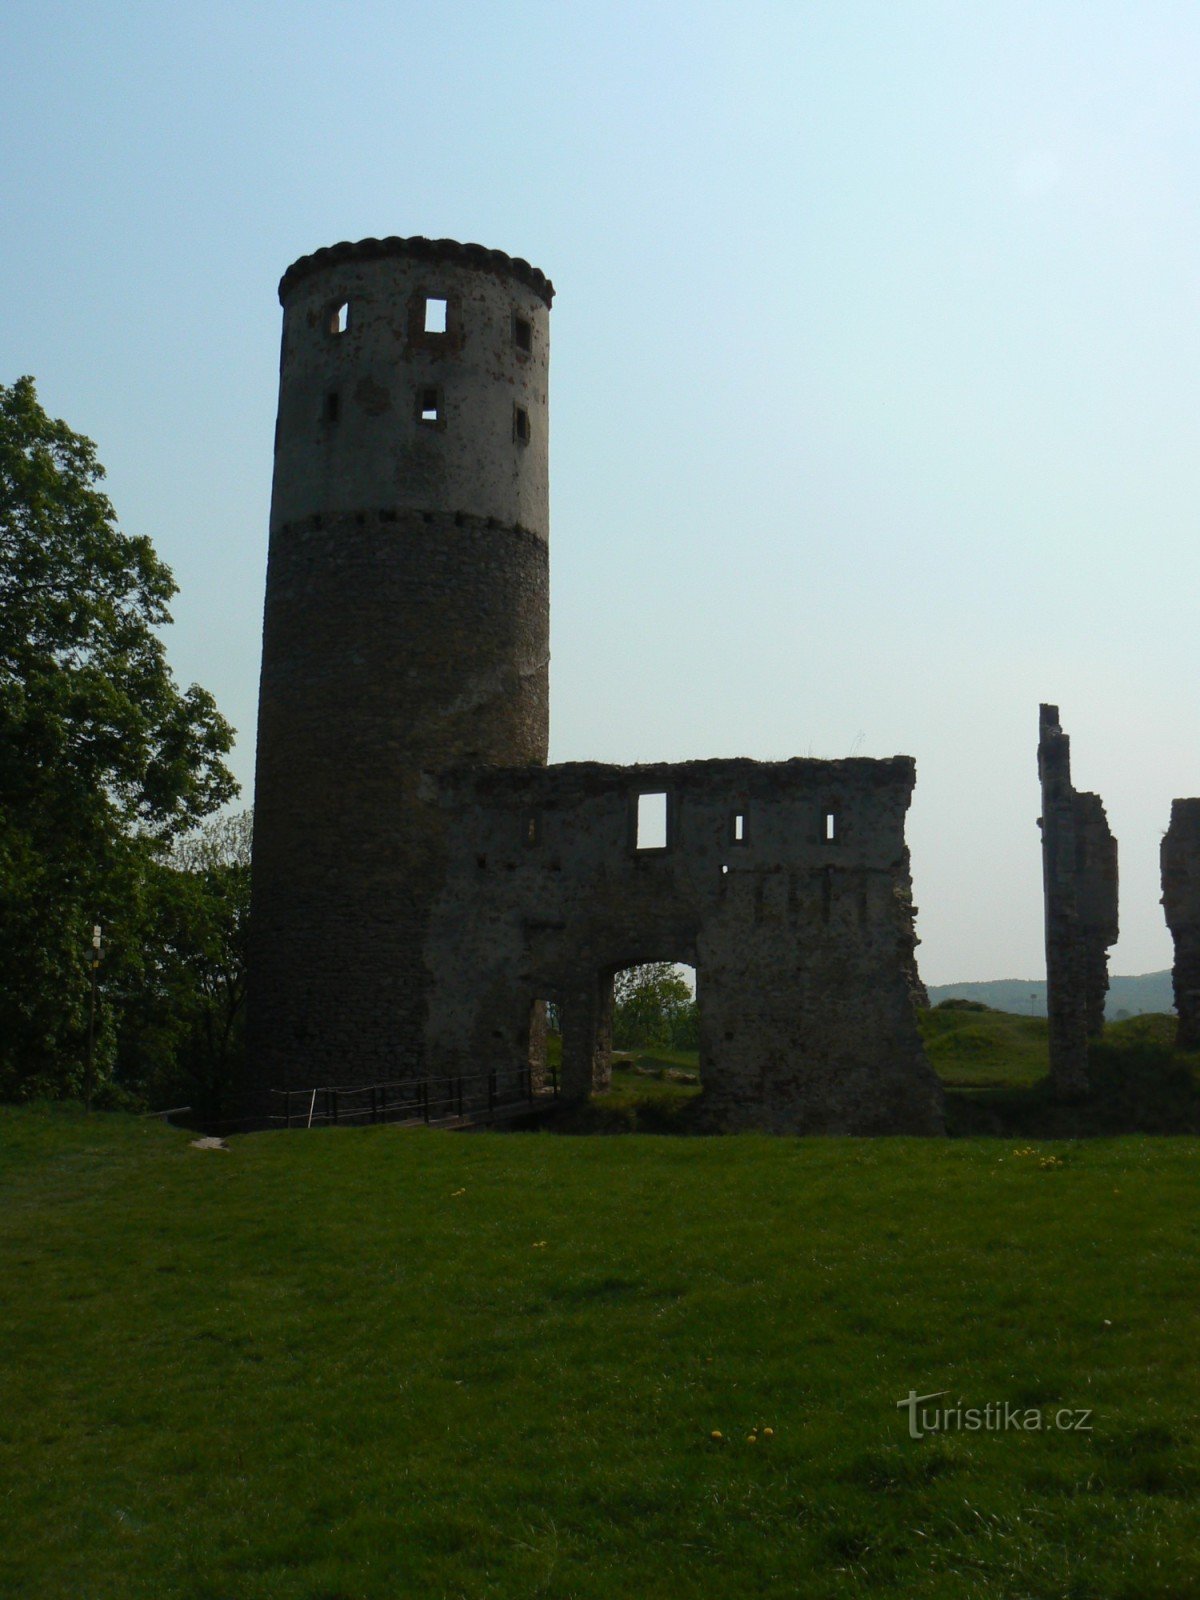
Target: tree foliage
<point x="180" y="1028"/>
<point x="104" y="761"/>
<point x="653" y="1008"/>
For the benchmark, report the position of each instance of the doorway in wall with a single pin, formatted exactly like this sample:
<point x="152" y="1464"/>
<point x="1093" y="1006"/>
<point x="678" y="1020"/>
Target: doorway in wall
<point x="545" y="1044"/>
<point x="654" y="1028"/>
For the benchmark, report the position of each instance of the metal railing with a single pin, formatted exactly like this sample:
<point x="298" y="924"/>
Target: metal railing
<point x="438" y="1097"/>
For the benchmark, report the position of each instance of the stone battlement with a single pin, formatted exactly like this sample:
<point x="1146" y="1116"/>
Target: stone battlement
<point x="417" y="249"/>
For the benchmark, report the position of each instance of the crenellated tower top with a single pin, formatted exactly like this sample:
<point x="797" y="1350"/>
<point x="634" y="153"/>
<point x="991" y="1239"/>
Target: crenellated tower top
<point x="476" y="256"/>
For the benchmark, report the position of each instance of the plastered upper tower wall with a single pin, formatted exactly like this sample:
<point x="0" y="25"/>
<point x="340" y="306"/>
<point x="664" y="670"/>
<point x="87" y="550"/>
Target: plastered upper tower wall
<point x="377" y="409"/>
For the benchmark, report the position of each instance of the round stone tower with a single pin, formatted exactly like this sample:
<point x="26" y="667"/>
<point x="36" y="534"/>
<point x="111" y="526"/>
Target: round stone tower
<point x="406" y="628"/>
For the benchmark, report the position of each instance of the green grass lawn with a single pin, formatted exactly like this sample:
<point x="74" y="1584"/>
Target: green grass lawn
<point x="382" y="1362"/>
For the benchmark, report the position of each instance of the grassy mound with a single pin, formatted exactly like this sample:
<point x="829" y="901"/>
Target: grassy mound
<point x="994" y="1065"/>
<point x="972" y="1047"/>
<point x="384" y="1362"/>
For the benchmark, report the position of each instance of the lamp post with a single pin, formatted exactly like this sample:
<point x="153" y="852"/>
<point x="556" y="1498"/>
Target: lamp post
<point x="91" y="1038"/>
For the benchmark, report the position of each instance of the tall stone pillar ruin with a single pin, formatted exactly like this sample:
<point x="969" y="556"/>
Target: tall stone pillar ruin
<point x="406" y="629"/>
<point x="1079" y="886"/>
<point x="1179" y="858"/>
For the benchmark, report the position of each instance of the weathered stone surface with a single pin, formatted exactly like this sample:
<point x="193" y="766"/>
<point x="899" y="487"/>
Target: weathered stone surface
<point x="406" y="627"/>
<point x="1079" y="883"/>
<point x="423" y="884"/>
<point x="1179" y="857"/>
<point x="802" y="944"/>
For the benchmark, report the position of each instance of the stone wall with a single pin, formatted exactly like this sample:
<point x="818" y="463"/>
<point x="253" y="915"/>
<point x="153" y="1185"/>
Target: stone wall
<point x="1180" y="862"/>
<point x="406" y="628"/>
<point x="1079" y="884"/>
<point x="786" y="885"/>
<point x="422" y="884"/>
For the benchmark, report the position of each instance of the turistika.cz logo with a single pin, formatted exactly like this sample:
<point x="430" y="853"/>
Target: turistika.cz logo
<point x="998" y="1416"/>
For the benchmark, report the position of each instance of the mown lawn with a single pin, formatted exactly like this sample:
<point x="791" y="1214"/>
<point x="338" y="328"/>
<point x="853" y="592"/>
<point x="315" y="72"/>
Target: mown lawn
<point x="347" y="1364"/>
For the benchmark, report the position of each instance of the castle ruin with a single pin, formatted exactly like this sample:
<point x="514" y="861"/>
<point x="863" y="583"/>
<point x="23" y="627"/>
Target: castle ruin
<point x="1079" y="883"/>
<point x="424" y="884"/>
<point x="1179" y="858"/>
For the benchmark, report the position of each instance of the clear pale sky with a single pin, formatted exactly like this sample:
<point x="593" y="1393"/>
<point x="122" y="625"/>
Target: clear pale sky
<point x="874" y="386"/>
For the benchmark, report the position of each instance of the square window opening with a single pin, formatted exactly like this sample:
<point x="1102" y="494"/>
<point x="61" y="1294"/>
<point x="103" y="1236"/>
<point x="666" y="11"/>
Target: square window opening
<point x="652" y="821"/>
<point x="429" y="405"/>
<point x="435" y="314"/>
<point x="522" y="333"/>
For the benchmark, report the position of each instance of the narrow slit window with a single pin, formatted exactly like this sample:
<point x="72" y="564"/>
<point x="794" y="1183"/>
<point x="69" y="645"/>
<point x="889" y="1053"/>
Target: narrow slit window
<point x="739" y="827"/>
<point x="652" y="822"/>
<point x="532" y="830"/>
<point x="435" y="314"/>
<point x="429" y="406"/>
<point x="333" y="406"/>
<point x="339" y="317"/>
<point x="522" y="333"/>
<point x="830" y="827"/>
<point x="520" y="425"/>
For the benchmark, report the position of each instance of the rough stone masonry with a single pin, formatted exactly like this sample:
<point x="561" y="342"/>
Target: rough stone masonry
<point x="1079" y="884"/>
<point x="1179" y="858"/>
<point x="423" y="883"/>
<point x="785" y="884"/>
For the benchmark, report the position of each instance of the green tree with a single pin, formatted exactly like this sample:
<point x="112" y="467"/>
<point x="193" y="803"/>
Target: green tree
<point x="685" y="1027"/>
<point x="648" y="1000"/>
<point x="179" y="1036"/>
<point x="103" y="760"/>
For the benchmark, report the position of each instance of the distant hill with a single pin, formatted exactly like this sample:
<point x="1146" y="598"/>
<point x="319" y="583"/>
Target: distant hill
<point x="1027" y="996"/>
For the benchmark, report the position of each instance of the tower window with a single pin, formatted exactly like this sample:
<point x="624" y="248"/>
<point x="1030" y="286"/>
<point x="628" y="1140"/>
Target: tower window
<point x="429" y="405"/>
<point x="333" y="406"/>
<point x="533" y="831"/>
<point x="520" y="425"/>
<point x="339" y="317"/>
<point x="652" y="822"/>
<point x="522" y="332"/>
<point x="737" y="829"/>
<point x="830" y="828"/>
<point x="435" y="314"/>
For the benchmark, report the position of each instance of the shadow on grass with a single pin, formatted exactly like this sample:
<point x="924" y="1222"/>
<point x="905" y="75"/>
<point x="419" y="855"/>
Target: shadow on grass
<point x="1139" y="1084"/>
<point x="651" y="1093"/>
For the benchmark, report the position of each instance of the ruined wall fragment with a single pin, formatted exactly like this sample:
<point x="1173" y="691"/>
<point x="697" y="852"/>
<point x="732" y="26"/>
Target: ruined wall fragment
<point x="1079" y="885"/>
<point x="785" y="884"/>
<point x="1179" y="857"/>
